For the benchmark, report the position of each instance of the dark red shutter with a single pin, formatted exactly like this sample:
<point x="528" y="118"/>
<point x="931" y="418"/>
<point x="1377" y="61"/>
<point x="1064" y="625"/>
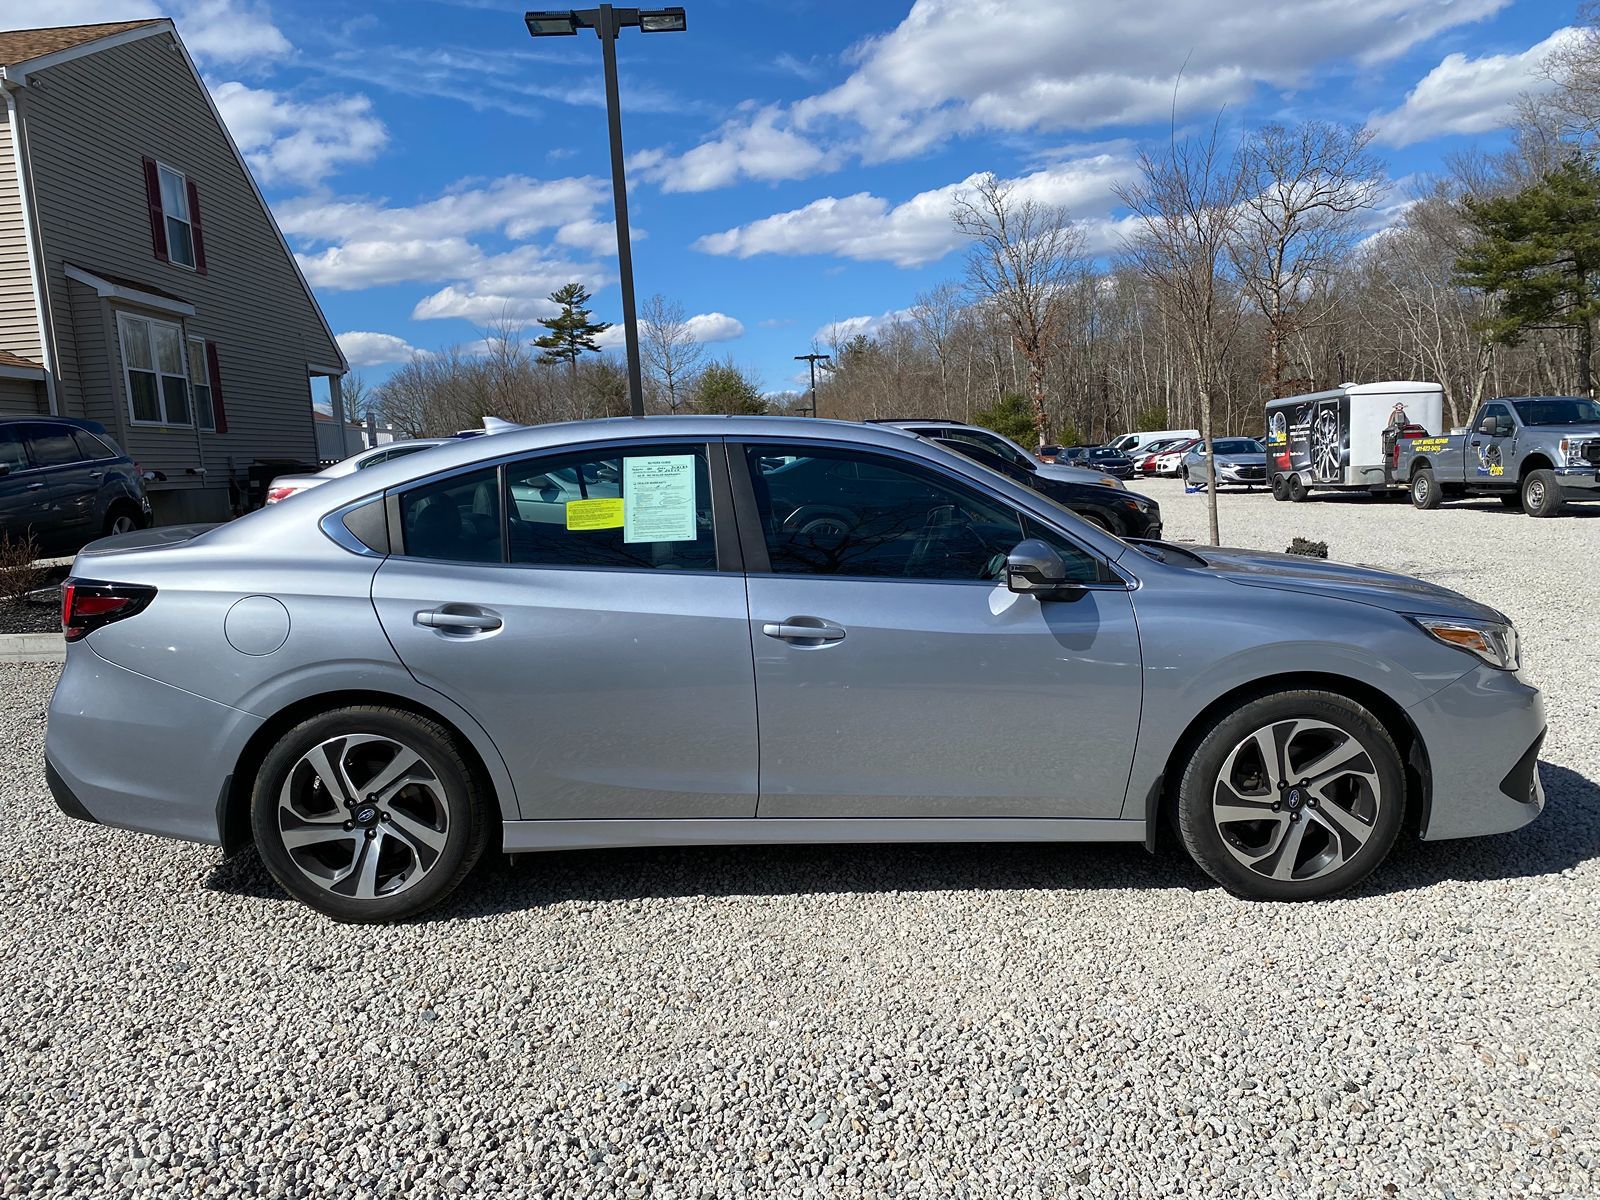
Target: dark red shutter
<point x="194" y="224"/>
<point x="158" y="219"/>
<point x="214" y="372"/>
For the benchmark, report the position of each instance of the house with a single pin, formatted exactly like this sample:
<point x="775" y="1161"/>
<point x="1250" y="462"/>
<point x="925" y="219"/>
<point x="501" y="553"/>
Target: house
<point x="143" y="281"/>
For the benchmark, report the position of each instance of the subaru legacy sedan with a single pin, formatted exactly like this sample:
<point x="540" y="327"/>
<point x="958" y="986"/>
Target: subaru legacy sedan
<point x="700" y="630"/>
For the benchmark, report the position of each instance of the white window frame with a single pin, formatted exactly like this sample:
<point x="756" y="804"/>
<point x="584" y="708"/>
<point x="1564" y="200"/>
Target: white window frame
<point x="186" y="220"/>
<point x="155" y="361"/>
<point x="205" y="415"/>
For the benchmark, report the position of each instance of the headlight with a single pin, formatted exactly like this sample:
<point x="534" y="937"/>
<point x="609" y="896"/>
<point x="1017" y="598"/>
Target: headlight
<point x="1493" y="641"/>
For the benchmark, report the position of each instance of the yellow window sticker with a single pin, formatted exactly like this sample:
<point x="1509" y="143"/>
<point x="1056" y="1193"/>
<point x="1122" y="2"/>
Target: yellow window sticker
<point x="594" y="514"/>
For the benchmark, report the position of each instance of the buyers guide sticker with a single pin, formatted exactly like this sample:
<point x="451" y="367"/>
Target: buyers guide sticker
<point x="658" y="499"/>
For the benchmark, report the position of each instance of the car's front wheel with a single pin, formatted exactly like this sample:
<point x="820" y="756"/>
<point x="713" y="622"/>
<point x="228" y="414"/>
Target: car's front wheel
<point x="1294" y="796"/>
<point x="1541" y="494"/>
<point x="368" y="814"/>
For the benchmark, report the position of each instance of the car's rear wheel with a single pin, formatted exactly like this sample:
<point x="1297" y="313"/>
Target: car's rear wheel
<point x="1280" y="488"/>
<point x="122" y="518"/>
<point x="1294" y="796"/>
<point x="1425" y="490"/>
<point x="368" y="814"/>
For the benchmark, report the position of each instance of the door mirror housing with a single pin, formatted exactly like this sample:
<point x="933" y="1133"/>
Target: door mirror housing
<point x="1034" y="568"/>
<point x="5" y="469"/>
<point x="1488" y="426"/>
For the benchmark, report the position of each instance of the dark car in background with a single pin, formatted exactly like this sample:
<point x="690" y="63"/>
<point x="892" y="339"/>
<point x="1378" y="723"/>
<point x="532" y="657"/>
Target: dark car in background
<point x="64" y="483"/>
<point x="1126" y="514"/>
<point x="1098" y="458"/>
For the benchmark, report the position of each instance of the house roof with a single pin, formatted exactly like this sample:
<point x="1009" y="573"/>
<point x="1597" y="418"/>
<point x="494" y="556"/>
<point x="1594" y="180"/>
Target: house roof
<point x="21" y="45"/>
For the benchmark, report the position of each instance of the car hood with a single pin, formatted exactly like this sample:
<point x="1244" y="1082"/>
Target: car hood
<point x="1236" y="460"/>
<point x="1343" y="581"/>
<point x="1075" y="474"/>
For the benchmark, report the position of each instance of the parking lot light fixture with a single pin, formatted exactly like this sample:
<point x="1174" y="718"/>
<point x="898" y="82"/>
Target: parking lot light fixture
<point x="607" y="22"/>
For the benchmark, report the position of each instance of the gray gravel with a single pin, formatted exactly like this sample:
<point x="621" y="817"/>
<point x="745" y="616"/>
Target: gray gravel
<point x="917" y="1021"/>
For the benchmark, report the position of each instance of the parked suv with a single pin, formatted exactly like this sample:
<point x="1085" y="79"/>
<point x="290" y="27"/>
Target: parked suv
<point x="65" y="482"/>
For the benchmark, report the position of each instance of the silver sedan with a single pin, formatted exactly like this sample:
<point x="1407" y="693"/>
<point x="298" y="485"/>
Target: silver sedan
<point x="1241" y="462"/>
<point x="710" y="630"/>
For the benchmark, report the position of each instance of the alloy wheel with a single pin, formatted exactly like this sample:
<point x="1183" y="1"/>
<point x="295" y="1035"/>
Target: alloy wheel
<point x="1297" y="799"/>
<point x="363" y="816"/>
<point x="123" y="523"/>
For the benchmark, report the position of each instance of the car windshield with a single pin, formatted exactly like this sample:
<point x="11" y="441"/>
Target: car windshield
<point x="1105" y="452"/>
<point x="1238" y="446"/>
<point x="1558" y="410"/>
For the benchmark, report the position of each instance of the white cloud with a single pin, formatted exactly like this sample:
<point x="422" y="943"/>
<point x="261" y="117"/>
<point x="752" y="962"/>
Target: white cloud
<point x="955" y="67"/>
<point x="363" y="264"/>
<point x="215" y="31"/>
<point x="365" y="349"/>
<point x="868" y="228"/>
<point x="594" y="236"/>
<point x="515" y="205"/>
<point x="301" y="142"/>
<point x="714" y="327"/>
<point x="751" y="147"/>
<point x="836" y="333"/>
<point x="1467" y="95"/>
<point x="512" y="286"/>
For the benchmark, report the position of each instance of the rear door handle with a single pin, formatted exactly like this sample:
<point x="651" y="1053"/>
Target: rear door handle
<point x="34" y="487"/>
<point x="458" y="622"/>
<point x="804" y="629"/>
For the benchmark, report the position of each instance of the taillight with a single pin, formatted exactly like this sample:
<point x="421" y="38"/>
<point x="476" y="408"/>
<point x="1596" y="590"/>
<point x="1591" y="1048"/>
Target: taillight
<point x="87" y="604"/>
<point x="274" y="494"/>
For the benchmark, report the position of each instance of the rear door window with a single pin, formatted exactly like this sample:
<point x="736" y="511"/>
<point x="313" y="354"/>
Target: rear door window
<point x="90" y="446"/>
<point x="13" y="455"/>
<point x="51" y="445"/>
<point x="643" y="508"/>
<point x="456" y="519"/>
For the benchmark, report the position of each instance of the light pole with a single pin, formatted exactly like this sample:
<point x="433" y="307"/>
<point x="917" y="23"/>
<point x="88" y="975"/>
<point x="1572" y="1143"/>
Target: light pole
<point x="813" y="359"/>
<point x="607" y="22"/>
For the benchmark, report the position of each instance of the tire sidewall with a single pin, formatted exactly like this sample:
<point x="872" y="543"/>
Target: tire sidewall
<point x="464" y="841"/>
<point x="1197" y="785"/>
<point x="1424" y="490"/>
<point x="1551" y="490"/>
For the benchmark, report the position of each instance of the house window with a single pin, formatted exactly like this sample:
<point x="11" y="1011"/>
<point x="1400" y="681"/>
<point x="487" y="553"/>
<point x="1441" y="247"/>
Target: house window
<point x="152" y="365"/>
<point x="205" y="404"/>
<point x="175" y="209"/>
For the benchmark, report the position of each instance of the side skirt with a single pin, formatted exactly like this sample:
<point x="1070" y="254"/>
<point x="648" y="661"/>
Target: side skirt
<point x="523" y="836"/>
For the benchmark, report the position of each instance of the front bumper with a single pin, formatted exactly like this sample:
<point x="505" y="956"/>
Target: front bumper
<point x="1482" y="735"/>
<point x="1585" y="478"/>
<point x="123" y="749"/>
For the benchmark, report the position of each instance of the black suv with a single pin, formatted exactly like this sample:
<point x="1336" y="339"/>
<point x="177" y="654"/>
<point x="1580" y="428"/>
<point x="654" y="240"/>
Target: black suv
<point x="1125" y="514"/>
<point x="65" y="482"/>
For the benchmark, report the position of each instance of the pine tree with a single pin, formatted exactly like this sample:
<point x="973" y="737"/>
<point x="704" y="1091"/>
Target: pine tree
<point x="723" y="388"/>
<point x="572" y="331"/>
<point x="1538" y="252"/>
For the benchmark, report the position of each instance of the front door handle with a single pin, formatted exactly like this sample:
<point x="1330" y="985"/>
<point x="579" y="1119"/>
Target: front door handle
<point x="34" y="487"/>
<point x="450" y="621"/>
<point x="810" y="630"/>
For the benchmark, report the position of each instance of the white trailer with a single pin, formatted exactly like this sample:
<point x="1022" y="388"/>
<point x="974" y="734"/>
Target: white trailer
<point x="1344" y="438"/>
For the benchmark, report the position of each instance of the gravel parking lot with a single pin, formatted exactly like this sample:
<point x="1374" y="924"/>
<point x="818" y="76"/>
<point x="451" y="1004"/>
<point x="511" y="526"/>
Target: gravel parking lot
<point x="907" y="1021"/>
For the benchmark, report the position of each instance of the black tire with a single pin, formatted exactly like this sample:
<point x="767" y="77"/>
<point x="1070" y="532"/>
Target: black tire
<point x="1512" y="500"/>
<point x="1280" y="488"/>
<point x="1425" y="493"/>
<point x="1329" y="715"/>
<point x="1541" y="494"/>
<point x="1295" y="488"/>
<point x="1098" y="522"/>
<point x="122" y="518"/>
<point x="466" y="815"/>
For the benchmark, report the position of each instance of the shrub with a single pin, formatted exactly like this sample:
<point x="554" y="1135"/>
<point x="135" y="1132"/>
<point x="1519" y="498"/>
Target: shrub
<point x="19" y="570"/>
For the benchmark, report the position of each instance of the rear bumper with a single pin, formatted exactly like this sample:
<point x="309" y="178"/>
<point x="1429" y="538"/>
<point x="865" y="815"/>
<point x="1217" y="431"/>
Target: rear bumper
<point x="1482" y="734"/>
<point x="122" y="749"/>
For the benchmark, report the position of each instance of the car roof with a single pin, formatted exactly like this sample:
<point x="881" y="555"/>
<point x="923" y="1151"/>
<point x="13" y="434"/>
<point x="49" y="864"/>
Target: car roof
<point x="48" y="419"/>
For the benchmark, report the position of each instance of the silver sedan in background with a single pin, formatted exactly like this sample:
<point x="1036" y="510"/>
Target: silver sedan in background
<point x="1241" y="462"/>
<point x="708" y="630"/>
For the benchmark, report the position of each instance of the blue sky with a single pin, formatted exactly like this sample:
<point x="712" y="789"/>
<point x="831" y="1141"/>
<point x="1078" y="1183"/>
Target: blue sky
<point x="791" y="161"/>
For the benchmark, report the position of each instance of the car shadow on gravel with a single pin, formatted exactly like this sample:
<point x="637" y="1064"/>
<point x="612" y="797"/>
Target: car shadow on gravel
<point x="1565" y="835"/>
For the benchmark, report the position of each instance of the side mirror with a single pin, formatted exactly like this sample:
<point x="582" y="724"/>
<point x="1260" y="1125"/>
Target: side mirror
<point x="1488" y="426"/>
<point x="5" y="469"/>
<point x="1033" y="568"/>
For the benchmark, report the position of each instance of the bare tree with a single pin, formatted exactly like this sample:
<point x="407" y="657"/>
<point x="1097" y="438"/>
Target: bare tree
<point x="1571" y="109"/>
<point x="937" y="316"/>
<point x="671" y="351"/>
<point x="1021" y="262"/>
<point x="1305" y="189"/>
<point x="1185" y="203"/>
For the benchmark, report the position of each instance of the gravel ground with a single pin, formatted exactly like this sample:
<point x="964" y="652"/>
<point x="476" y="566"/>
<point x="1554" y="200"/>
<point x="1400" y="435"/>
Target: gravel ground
<point x="911" y="1021"/>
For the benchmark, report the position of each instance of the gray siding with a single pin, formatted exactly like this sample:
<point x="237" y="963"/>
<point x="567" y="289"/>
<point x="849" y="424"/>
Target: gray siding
<point x="91" y="121"/>
<point x="19" y="319"/>
<point x="19" y="398"/>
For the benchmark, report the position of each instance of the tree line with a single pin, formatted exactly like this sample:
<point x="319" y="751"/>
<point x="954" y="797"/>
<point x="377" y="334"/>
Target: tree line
<point x="1252" y="264"/>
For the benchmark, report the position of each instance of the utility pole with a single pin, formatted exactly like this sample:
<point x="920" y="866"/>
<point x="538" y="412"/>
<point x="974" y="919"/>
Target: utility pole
<point x="813" y="359"/>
